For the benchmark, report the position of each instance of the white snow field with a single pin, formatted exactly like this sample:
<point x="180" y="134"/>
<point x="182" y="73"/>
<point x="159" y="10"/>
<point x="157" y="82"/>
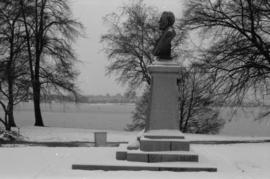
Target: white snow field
<point x="52" y="134"/>
<point x="245" y="161"/>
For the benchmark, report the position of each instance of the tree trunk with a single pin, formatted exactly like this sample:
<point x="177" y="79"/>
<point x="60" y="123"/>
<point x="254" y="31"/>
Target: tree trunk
<point x="11" y="120"/>
<point x="8" y="126"/>
<point x="34" y="73"/>
<point x="10" y="105"/>
<point x="36" y="97"/>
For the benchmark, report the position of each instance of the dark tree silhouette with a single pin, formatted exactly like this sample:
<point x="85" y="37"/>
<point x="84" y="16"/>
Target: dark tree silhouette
<point x="238" y="54"/>
<point x="129" y="42"/>
<point x="14" y="83"/>
<point x="49" y="33"/>
<point x="196" y="103"/>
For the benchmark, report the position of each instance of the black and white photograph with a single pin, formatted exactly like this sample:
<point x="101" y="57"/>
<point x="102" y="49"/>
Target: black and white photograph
<point x="137" y="89"/>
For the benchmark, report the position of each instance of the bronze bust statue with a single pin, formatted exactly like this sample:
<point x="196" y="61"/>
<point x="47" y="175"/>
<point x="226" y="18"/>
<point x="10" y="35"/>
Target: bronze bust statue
<point x="162" y="48"/>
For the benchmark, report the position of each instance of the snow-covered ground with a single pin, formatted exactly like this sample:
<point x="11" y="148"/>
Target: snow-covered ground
<point x="50" y="134"/>
<point x="250" y="160"/>
<point x="233" y="161"/>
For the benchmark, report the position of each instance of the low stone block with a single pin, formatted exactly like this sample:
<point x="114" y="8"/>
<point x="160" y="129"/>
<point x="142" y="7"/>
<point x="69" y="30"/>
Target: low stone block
<point x="113" y="167"/>
<point x="188" y="158"/>
<point x="163" y="137"/>
<point x="163" y="134"/>
<point x="164" y="145"/>
<point x="180" y="146"/>
<point x="121" y="155"/>
<point x="152" y="158"/>
<point x="136" y="168"/>
<point x="152" y="145"/>
<point x="188" y="169"/>
<point x="137" y="157"/>
<point x="172" y="158"/>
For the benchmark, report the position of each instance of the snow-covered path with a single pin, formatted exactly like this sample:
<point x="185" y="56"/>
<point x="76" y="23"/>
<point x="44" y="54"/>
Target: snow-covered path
<point x="233" y="161"/>
<point x="245" y="161"/>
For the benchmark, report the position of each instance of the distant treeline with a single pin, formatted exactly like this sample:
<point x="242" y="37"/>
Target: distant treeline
<point x="127" y="98"/>
<point x="118" y="98"/>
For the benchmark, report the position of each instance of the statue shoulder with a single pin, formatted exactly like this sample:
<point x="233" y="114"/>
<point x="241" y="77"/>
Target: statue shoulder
<point x="170" y="32"/>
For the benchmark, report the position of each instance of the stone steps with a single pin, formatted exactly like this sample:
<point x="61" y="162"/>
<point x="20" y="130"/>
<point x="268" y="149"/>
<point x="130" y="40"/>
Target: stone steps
<point x="147" y="144"/>
<point x="161" y="157"/>
<point x="164" y="134"/>
<point x="162" y="150"/>
<point x="167" y="152"/>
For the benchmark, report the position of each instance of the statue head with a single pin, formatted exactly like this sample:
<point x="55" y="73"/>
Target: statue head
<point x="167" y="19"/>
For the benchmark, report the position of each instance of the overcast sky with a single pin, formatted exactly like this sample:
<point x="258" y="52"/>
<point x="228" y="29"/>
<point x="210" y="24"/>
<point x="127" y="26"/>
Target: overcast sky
<point x="92" y="79"/>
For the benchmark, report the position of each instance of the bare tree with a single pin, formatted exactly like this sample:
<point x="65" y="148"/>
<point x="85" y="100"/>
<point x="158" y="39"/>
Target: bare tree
<point x="14" y="83"/>
<point x="238" y="35"/>
<point x="49" y="31"/>
<point x="129" y="42"/>
<point x="139" y="115"/>
<point x="196" y="103"/>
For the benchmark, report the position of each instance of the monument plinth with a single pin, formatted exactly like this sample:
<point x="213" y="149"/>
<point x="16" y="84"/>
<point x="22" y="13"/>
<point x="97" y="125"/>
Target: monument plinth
<point x="163" y="112"/>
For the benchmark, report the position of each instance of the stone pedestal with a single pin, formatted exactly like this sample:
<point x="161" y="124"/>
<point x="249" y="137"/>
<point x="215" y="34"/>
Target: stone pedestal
<point x="163" y="112"/>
